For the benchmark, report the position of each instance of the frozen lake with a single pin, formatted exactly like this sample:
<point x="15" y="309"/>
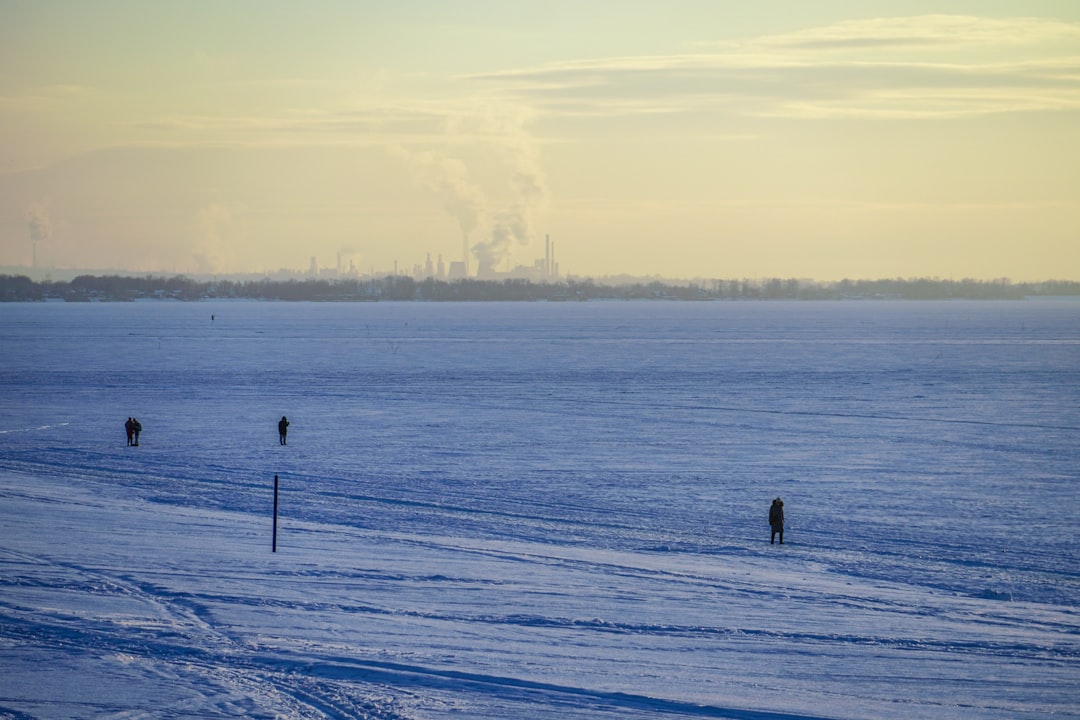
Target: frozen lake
<point x="541" y="510"/>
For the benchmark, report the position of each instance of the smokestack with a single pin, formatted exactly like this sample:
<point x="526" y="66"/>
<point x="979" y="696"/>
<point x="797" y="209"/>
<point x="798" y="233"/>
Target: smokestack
<point x="547" y="255"/>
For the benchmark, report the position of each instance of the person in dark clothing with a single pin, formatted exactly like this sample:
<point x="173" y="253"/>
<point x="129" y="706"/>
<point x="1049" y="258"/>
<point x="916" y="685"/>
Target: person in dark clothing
<point x="136" y="428"/>
<point x="129" y="428"/>
<point x="282" y="428"/>
<point x="776" y="520"/>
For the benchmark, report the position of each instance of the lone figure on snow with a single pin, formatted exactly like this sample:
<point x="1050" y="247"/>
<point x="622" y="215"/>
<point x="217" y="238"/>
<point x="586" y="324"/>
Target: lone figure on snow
<point x="129" y="428"/>
<point x="282" y="428"/>
<point x="776" y="520"/>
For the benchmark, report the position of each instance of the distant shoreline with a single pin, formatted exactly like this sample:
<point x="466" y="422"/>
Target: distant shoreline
<point x="117" y="288"/>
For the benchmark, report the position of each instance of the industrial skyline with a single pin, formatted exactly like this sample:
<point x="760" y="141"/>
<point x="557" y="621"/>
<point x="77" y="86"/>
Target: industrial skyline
<point x="439" y="268"/>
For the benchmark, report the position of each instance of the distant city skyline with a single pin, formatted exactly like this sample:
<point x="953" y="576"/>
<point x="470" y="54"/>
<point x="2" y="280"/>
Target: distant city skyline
<point x="689" y="139"/>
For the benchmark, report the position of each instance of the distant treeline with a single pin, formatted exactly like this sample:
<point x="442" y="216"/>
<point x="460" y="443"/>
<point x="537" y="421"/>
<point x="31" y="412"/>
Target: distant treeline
<point x="91" y="288"/>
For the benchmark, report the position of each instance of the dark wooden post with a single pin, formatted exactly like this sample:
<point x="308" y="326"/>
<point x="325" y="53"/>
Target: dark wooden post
<point x="275" y="512"/>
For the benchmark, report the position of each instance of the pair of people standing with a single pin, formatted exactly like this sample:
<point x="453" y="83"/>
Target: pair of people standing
<point x="133" y="427"/>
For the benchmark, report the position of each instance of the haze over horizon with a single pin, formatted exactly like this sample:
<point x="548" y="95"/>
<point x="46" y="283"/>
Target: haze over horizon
<point x="694" y="138"/>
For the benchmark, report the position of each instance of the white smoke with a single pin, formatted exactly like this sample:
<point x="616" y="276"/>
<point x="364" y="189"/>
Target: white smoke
<point x="219" y="230"/>
<point x="514" y="225"/>
<point x="506" y="128"/>
<point x="501" y="132"/>
<point x="40" y="224"/>
<point x="449" y="178"/>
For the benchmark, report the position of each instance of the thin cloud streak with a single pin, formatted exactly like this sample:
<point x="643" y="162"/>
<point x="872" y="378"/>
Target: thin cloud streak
<point x="927" y="32"/>
<point x="44" y="96"/>
<point x="833" y="71"/>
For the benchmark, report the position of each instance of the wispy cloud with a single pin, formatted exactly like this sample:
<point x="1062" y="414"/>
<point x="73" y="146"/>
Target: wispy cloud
<point x="371" y="123"/>
<point x="927" y="32"/>
<point x="43" y="96"/>
<point x="912" y="67"/>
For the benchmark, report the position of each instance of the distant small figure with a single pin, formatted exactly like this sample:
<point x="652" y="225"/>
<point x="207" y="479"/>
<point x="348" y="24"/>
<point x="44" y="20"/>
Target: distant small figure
<point x="129" y="427"/>
<point x="136" y="428"/>
<point x="282" y="428"/>
<point x="776" y="520"/>
<point x="211" y="318"/>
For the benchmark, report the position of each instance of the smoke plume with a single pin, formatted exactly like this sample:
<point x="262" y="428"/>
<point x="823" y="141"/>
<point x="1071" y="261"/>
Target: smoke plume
<point x="449" y="178"/>
<point x="507" y="130"/>
<point x="514" y="225"/>
<point x="499" y="135"/>
<point x="37" y="217"/>
<point x="40" y="224"/>
<point x="219" y="230"/>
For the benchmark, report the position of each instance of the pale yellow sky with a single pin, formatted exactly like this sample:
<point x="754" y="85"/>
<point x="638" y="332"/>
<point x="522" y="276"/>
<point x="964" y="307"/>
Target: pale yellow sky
<point x="686" y="139"/>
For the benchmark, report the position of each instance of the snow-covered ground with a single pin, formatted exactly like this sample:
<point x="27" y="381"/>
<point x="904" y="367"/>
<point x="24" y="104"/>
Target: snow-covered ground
<point x="540" y="510"/>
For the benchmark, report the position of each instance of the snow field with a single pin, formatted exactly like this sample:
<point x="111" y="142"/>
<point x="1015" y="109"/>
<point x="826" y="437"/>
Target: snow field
<point x="541" y="511"/>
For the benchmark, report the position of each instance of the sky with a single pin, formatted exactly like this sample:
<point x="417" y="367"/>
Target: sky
<point x="684" y="139"/>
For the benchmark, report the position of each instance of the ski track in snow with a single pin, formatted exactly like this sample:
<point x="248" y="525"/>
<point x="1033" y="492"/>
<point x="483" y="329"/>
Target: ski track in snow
<point x="550" y="513"/>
